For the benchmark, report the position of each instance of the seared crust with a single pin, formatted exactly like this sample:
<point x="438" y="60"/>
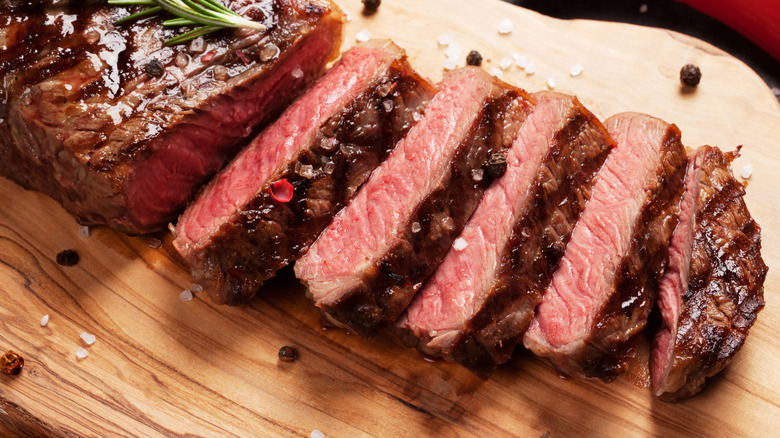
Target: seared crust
<point x="726" y="287"/>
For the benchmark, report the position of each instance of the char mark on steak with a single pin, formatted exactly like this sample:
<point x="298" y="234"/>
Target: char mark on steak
<point x="713" y="289"/>
<point x="479" y="302"/>
<point x="366" y="266"/>
<point x="83" y="121"/>
<point x="239" y="232"/>
<point x="597" y="304"/>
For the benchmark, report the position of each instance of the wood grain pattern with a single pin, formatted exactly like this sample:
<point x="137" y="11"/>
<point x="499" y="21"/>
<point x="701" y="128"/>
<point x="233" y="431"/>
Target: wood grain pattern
<point x="162" y="367"/>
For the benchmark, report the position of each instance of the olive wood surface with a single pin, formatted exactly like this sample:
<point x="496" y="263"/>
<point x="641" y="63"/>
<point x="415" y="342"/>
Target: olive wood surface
<point x="163" y="367"/>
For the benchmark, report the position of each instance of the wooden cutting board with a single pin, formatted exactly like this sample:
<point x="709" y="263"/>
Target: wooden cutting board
<point x="163" y="367"/>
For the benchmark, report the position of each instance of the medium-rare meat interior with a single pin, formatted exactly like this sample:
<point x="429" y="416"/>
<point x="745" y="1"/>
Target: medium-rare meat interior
<point x="366" y="266"/>
<point x="597" y="304"/>
<point x="269" y="204"/>
<point x="475" y="308"/>
<point x="122" y="129"/>
<point x="713" y="288"/>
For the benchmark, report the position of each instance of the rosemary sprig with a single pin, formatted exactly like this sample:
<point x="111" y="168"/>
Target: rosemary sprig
<point x="211" y="15"/>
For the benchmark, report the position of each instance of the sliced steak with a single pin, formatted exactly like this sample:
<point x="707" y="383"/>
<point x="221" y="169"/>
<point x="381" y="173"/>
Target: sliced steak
<point x="597" y="304"/>
<point x="714" y="287"/>
<point x="477" y="305"/>
<point x="122" y="129"/>
<point x="242" y="228"/>
<point x="367" y="265"/>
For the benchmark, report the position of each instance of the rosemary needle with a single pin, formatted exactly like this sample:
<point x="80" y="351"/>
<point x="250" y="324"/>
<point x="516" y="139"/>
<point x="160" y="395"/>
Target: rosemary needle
<point x="211" y="15"/>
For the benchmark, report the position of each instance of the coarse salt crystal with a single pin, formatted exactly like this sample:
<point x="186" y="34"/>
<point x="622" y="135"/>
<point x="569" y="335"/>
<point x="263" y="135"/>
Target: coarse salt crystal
<point x="155" y="243"/>
<point x="196" y="288"/>
<point x="387" y="104"/>
<point x="747" y="170"/>
<point x="446" y="39"/>
<point x="506" y="26"/>
<point x="477" y="174"/>
<point x="505" y="63"/>
<point x="448" y="223"/>
<point x="45" y="320"/>
<point x="551" y="82"/>
<point x="522" y="61"/>
<point x="363" y="35"/>
<point x="776" y="91"/>
<point x="198" y="45"/>
<point x="317" y="434"/>
<point x="186" y="295"/>
<point x="416" y="227"/>
<point x="460" y="244"/>
<point x="450" y="63"/>
<point x="347" y="14"/>
<point x="530" y="68"/>
<point x="297" y="73"/>
<point x="329" y="168"/>
<point x="81" y="353"/>
<point x="495" y="71"/>
<point x="642" y="8"/>
<point x="576" y="70"/>
<point x="88" y="338"/>
<point x="84" y="231"/>
<point x="453" y="50"/>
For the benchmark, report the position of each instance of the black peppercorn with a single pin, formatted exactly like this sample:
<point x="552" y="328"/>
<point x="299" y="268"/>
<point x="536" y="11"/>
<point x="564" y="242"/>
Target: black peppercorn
<point x="11" y="363"/>
<point x="496" y="165"/>
<point x="287" y="354"/>
<point x="690" y="75"/>
<point x="68" y="257"/>
<point x="155" y="68"/>
<point x="474" y="58"/>
<point x="371" y="5"/>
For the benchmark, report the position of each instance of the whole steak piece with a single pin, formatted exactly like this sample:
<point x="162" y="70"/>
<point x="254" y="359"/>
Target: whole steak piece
<point x="268" y="205"/>
<point x="122" y="129"/>
<point x="475" y="308"/>
<point x="366" y="266"/>
<point x="596" y="306"/>
<point x="714" y="286"/>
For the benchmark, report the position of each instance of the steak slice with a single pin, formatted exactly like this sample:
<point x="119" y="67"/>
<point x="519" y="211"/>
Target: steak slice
<point x="714" y="286"/>
<point x="122" y="129"/>
<point x="366" y="266"/>
<point x="239" y="232"/>
<point x="597" y="304"/>
<point x="479" y="302"/>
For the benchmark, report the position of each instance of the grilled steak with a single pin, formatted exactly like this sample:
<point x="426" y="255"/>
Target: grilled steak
<point x="714" y="286"/>
<point x="121" y="129"/>
<point x="239" y="232"/>
<point x="599" y="298"/>
<point x="367" y="265"/>
<point x="477" y="305"/>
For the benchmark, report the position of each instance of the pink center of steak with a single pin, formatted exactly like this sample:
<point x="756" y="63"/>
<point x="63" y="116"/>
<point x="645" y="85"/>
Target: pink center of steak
<point x="371" y="224"/>
<point x="279" y="144"/>
<point x="674" y="283"/>
<point x="582" y="284"/>
<point x="191" y="151"/>
<point x="461" y="283"/>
